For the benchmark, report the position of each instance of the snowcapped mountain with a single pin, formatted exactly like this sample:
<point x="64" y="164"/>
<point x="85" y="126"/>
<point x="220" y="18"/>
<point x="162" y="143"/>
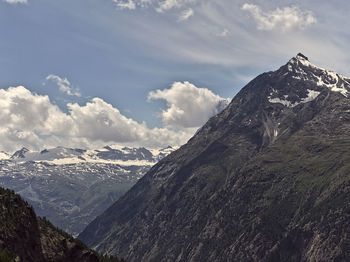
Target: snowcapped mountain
<point x="315" y="80"/>
<point x="109" y="154"/>
<point x="267" y="179"/>
<point x="72" y="186"/>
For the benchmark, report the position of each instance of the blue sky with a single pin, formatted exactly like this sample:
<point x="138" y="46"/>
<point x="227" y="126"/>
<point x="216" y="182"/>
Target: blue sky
<point x="112" y="55"/>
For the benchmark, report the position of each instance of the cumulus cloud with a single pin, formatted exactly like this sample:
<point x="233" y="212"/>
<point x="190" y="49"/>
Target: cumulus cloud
<point x="285" y="19"/>
<point x="26" y="118"/>
<point x="188" y="105"/>
<point x="64" y="85"/>
<point x="186" y="14"/>
<point x="16" y="1"/>
<point x="33" y="121"/>
<point x="100" y="120"/>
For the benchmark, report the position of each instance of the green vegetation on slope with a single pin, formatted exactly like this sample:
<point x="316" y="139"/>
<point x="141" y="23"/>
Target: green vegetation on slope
<point x="5" y="256"/>
<point x="31" y="238"/>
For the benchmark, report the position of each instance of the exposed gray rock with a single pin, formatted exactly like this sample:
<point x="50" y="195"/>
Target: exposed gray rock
<point x="267" y="179"/>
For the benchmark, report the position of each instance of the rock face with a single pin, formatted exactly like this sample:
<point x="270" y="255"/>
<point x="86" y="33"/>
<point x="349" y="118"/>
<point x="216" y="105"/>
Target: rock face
<point x="72" y="186"/>
<point x="267" y="179"/>
<point x="32" y="239"/>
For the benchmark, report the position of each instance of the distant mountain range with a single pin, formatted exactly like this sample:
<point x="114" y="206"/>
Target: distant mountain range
<point x="72" y="186"/>
<point x="267" y="179"/>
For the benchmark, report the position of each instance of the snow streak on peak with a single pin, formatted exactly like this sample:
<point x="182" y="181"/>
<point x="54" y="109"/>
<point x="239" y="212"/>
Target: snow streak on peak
<point x="300" y="82"/>
<point x="305" y="70"/>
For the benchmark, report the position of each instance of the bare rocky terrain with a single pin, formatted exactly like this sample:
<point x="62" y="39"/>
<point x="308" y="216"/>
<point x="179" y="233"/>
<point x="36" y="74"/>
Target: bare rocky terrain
<point x="267" y="179"/>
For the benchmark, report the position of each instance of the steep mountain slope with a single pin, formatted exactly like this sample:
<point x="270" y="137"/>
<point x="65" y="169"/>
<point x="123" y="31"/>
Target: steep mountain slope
<point x="267" y="179"/>
<point x="28" y="238"/>
<point x="72" y="186"/>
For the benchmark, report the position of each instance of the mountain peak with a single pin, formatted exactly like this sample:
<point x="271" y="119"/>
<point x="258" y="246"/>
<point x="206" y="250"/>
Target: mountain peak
<point x="301" y="56"/>
<point x="300" y="60"/>
<point x="20" y="153"/>
<point x="257" y="179"/>
<point x="301" y="69"/>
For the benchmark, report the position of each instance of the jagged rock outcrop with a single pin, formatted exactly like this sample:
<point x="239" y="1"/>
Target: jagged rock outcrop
<point x="267" y="179"/>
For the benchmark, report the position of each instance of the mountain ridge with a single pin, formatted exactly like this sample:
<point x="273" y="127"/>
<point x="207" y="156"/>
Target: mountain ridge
<point x="30" y="238"/>
<point x="246" y="186"/>
<point x="72" y="186"/>
<point x="109" y="154"/>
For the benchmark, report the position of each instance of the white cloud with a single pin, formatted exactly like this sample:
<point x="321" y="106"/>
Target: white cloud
<point x="32" y="121"/>
<point x="28" y="118"/>
<point x="100" y="121"/>
<point x="188" y="105"/>
<point x="171" y="4"/>
<point x="244" y="51"/>
<point x="16" y="1"/>
<point x="64" y="85"/>
<point x="125" y="4"/>
<point x="186" y="14"/>
<point x="285" y="19"/>
<point x="224" y="33"/>
<point x="158" y="5"/>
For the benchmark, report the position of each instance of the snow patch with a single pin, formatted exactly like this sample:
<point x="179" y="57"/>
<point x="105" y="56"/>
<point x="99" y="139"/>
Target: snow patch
<point x="75" y="160"/>
<point x="330" y="79"/>
<point x="4" y="156"/>
<point x="281" y="101"/>
<point x="312" y="94"/>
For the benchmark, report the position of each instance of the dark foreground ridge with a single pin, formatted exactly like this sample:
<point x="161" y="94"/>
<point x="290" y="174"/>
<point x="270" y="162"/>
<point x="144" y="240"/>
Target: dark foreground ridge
<point x="25" y="237"/>
<point x="267" y="179"/>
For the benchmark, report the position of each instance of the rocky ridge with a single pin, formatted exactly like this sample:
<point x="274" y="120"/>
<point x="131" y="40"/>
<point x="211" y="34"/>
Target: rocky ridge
<point x="28" y="238"/>
<point x="267" y="179"/>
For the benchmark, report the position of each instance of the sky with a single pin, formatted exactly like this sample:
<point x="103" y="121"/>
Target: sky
<point x="88" y="73"/>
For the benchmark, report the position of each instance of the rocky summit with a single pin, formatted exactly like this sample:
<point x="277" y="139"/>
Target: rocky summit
<point x="267" y="179"/>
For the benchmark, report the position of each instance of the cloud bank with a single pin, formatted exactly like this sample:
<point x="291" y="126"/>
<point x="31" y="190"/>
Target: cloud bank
<point x="188" y="105"/>
<point x="33" y="121"/>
